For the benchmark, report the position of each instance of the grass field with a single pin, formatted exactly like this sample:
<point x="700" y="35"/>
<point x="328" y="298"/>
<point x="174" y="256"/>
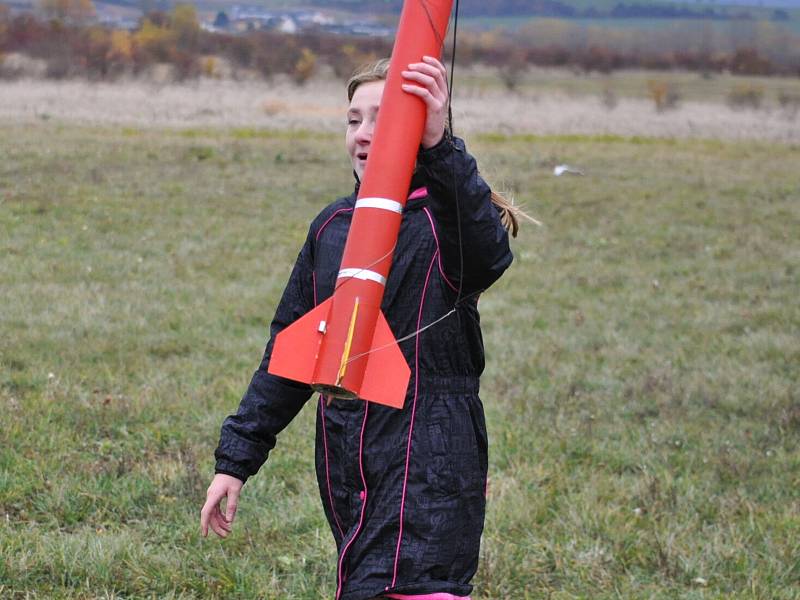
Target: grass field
<point x="641" y="390"/>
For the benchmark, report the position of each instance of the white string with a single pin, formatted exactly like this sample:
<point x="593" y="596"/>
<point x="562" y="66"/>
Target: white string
<point x="414" y="334"/>
<point x="402" y="339"/>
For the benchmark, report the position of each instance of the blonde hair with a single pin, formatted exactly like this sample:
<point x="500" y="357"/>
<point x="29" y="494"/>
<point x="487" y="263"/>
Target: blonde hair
<point x="375" y="71"/>
<point x="510" y="214"/>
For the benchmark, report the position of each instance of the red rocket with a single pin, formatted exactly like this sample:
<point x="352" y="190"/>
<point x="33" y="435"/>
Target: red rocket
<point x="344" y="347"/>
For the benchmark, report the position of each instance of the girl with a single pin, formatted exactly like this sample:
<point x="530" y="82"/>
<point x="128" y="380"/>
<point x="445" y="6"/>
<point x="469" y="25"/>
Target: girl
<point x="403" y="490"/>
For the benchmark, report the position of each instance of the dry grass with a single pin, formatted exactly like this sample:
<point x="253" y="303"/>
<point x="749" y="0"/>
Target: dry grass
<point x="547" y="102"/>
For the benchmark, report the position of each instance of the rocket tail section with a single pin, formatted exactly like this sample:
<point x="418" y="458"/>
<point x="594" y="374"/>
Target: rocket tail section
<point x="297" y="347"/>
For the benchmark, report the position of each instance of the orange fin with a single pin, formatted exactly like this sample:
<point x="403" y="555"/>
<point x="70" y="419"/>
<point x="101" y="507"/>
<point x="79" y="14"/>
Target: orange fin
<point x="387" y="374"/>
<point x="294" y="354"/>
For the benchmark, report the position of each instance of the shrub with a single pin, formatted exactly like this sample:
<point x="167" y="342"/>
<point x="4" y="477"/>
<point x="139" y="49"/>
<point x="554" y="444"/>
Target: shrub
<point x="745" y="96"/>
<point x="345" y="59"/>
<point x="120" y="51"/>
<point x="602" y="60"/>
<point x="789" y="103"/>
<point x="209" y="66"/>
<point x="186" y="26"/>
<point x="59" y="67"/>
<point x="95" y="50"/>
<point x="747" y="61"/>
<point x="609" y="99"/>
<point x="511" y="71"/>
<point x="154" y="43"/>
<point x="15" y="66"/>
<point x="75" y="11"/>
<point x="305" y="66"/>
<point x="663" y="94"/>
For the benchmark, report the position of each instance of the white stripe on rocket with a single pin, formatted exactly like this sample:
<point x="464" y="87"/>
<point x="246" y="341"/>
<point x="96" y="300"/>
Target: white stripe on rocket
<point x="364" y="274"/>
<point x="384" y="203"/>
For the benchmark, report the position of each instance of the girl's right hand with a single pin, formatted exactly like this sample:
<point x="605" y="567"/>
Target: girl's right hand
<point x="222" y="486"/>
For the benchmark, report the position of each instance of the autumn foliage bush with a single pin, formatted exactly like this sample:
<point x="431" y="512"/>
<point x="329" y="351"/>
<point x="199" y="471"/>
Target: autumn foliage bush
<point x="75" y="47"/>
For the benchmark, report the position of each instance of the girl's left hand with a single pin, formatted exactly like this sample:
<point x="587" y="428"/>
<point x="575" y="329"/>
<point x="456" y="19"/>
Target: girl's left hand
<point x="430" y="76"/>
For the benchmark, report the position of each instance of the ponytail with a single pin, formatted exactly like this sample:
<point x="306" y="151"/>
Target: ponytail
<point x="510" y="214"/>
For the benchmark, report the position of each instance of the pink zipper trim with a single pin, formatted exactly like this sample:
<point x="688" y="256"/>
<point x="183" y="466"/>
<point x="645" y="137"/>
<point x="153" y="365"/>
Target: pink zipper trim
<point x="416" y="194"/>
<point x="438" y="249"/>
<point x="322" y="398"/>
<point x="327" y="469"/>
<point x="411" y="425"/>
<point x="363" y="496"/>
<point x="325" y="224"/>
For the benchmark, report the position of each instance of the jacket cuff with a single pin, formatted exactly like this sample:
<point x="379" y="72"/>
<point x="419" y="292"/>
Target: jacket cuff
<point x="228" y="468"/>
<point x="440" y="151"/>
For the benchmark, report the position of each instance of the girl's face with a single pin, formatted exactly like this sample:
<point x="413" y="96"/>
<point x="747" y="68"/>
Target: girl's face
<point x="361" y="116"/>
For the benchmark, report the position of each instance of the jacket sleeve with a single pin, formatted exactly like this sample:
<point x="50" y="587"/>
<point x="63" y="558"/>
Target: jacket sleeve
<point x="270" y="402"/>
<point x="452" y="177"/>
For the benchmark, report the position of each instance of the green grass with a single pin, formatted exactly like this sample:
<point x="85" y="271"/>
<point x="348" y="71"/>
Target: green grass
<point x="641" y="390"/>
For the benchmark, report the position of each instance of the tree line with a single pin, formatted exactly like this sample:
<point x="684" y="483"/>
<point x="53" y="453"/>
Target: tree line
<point x="72" y="49"/>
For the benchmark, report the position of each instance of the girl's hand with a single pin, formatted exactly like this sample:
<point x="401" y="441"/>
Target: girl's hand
<point x="222" y="486"/>
<point x="430" y="77"/>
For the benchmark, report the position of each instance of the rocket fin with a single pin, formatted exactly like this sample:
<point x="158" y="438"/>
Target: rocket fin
<point x="387" y="374"/>
<point x="294" y="354"/>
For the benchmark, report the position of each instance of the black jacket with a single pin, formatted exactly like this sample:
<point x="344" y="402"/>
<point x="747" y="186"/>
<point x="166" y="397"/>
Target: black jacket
<point x="403" y="490"/>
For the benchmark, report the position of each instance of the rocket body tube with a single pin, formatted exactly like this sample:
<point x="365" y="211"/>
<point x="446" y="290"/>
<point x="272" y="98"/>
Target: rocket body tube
<point x="344" y="347"/>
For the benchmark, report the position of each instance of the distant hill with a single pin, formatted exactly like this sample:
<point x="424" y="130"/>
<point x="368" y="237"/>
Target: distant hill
<point x="766" y="3"/>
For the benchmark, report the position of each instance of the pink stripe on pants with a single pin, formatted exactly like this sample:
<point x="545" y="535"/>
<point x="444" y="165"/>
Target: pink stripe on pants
<point x="435" y="596"/>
